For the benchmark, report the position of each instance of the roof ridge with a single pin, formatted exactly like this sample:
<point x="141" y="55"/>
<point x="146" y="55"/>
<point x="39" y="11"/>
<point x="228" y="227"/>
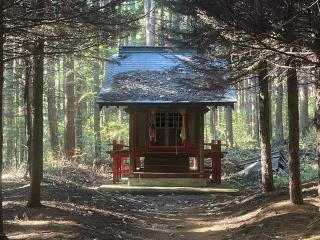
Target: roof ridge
<point x="154" y="49"/>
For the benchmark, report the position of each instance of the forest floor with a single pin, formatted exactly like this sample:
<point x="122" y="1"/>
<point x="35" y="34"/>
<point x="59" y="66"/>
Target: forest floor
<point x="74" y="211"/>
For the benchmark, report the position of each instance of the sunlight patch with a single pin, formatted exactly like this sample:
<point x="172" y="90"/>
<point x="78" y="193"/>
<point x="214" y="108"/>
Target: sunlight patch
<point x="249" y="218"/>
<point x="42" y="222"/>
<point x="13" y="175"/>
<point x="41" y="235"/>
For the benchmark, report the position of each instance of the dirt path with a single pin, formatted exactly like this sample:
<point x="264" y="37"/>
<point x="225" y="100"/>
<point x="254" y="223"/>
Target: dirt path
<point x="71" y="212"/>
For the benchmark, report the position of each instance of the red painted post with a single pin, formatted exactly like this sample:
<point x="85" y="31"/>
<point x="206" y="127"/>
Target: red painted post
<point x="117" y="160"/>
<point x="114" y="162"/>
<point x="137" y="160"/>
<point x="120" y="159"/>
<point x="114" y="169"/>
<point x="216" y="161"/>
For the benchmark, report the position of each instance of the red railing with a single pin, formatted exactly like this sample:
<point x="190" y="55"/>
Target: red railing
<point x="120" y="152"/>
<point x="216" y="155"/>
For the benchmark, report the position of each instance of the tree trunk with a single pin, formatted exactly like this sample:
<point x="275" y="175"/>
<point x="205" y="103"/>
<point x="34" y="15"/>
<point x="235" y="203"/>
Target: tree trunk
<point x="149" y="6"/>
<point x="9" y="96"/>
<point x="241" y="96"/>
<point x="229" y="130"/>
<point x="37" y="130"/>
<point x="270" y="106"/>
<point x="213" y="130"/>
<point x="303" y="114"/>
<point x="28" y="98"/>
<point x="52" y="109"/>
<point x="218" y="114"/>
<point x="293" y="121"/>
<point x="60" y="88"/>
<point x="22" y="128"/>
<point x="266" y="164"/>
<point x="60" y="100"/>
<point x="1" y="107"/>
<point x="79" y="115"/>
<point x="247" y="105"/>
<point x="96" y="80"/>
<point x="317" y="113"/>
<point x="161" y="41"/>
<point x="133" y="34"/>
<point x="278" y="111"/>
<point x="120" y="138"/>
<point x="17" y="119"/>
<point x="69" y="115"/>
<point x="175" y="20"/>
<point x="22" y="141"/>
<point x="255" y="112"/>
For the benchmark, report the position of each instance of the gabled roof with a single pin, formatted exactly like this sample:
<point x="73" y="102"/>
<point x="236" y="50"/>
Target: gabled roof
<point x="156" y="75"/>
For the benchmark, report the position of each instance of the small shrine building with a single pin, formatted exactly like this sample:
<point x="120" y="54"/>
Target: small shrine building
<point x="166" y="100"/>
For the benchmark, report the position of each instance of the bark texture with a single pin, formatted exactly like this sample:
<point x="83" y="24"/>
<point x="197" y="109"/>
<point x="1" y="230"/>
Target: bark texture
<point x="317" y="91"/>
<point x="22" y="127"/>
<point x="133" y="34"/>
<point x="278" y="111"/>
<point x="79" y="116"/>
<point x="266" y="164"/>
<point x="9" y="89"/>
<point x="270" y="81"/>
<point x="213" y="121"/>
<point x="52" y="109"/>
<point x="229" y="129"/>
<point x="17" y="74"/>
<point x="96" y="124"/>
<point x="1" y="104"/>
<point x="303" y="113"/>
<point x="255" y="112"/>
<point x="293" y="121"/>
<point x="69" y="116"/>
<point x="28" y="96"/>
<point x="248" y="105"/>
<point x="149" y="6"/>
<point x="37" y="130"/>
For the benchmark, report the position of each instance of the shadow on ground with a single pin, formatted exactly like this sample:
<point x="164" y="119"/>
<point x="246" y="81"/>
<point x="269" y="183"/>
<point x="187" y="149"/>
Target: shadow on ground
<point x="75" y="212"/>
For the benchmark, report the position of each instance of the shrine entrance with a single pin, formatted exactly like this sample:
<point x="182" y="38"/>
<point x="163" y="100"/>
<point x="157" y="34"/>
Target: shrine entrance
<point x="169" y="149"/>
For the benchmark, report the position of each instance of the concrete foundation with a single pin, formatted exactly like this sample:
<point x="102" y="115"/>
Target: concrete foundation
<point x="168" y="182"/>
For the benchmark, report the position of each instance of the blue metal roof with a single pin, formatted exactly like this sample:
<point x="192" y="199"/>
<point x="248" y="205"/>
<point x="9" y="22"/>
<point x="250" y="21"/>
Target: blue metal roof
<point x="146" y="58"/>
<point x="141" y="59"/>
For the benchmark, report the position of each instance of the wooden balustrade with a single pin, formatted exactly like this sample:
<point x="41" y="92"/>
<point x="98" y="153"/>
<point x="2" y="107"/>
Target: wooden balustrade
<point x="120" y="152"/>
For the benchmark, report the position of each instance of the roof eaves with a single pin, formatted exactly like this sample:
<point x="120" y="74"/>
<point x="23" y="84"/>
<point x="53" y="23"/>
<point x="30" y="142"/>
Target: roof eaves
<point x="102" y="102"/>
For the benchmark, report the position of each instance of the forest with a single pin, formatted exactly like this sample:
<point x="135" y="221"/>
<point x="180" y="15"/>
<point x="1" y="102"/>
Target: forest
<point x="244" y="165"/>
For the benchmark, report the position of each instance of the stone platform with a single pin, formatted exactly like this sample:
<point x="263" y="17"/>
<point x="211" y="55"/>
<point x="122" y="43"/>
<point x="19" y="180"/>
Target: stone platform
<point x="123" y="187"/>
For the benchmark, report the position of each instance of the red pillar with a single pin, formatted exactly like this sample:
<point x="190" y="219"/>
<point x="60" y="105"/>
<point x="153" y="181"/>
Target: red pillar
<point x="216" y="162"/>
<point x="117" y="161"/>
